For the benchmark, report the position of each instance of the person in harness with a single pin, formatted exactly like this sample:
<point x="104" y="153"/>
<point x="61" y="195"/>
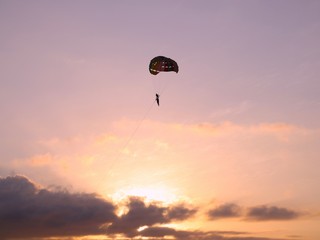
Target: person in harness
<point x="157" y="99"/>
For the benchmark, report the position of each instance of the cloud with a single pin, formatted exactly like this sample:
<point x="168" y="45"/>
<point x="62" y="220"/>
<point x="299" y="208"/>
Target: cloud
<point x="227" y="210"/>
<point x="257" y="213"/>
<point x="166" y="231"/>
<point x="180" y="212"/>
<point x="27" y="210"/>
<point x="161" y="232"/>
<point x="266" y="213"/>
<point x="140" y="214"/>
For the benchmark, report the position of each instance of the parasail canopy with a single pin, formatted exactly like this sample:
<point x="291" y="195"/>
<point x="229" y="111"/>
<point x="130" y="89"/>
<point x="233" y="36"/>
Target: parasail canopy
<point x="163" y="64"/>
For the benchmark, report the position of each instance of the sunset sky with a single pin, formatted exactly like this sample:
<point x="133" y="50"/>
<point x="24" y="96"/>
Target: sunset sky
<point x="231" y="153"/>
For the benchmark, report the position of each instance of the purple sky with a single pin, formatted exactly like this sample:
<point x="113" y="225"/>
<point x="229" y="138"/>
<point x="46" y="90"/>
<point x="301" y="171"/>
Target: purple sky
<point x="236" y="138"/>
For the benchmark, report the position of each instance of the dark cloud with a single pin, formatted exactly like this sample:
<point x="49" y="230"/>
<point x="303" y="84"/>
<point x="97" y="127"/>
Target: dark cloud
<point x="180" y="212"/>
<point x="158" y="232"/>
<point x="266" y="213"/>
<point x="141" y="214"/>
<point x="161" y="232"/>
<point x="258" y="213"/>
<point x="227" y="210"/>
<point x="29" y="211"/>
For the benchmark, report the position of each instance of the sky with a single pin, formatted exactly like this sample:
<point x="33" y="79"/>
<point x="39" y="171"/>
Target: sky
<point x="231" y="153"/>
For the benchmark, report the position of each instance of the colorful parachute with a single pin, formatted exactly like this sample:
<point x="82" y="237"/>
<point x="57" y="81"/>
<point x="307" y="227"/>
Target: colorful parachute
<point x="162" y="64"/>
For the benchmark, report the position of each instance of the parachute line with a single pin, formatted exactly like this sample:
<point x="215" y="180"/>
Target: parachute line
<point x="131" y="136"/>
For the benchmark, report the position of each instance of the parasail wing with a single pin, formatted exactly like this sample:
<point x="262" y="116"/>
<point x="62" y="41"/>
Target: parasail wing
<point x="163" y="64"/>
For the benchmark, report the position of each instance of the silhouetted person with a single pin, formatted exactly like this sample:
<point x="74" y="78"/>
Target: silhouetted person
<point x="157" y="98"/>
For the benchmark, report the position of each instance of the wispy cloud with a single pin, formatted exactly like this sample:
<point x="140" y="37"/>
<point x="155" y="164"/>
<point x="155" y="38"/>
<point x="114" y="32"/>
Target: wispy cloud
<point x="251" y="154"/>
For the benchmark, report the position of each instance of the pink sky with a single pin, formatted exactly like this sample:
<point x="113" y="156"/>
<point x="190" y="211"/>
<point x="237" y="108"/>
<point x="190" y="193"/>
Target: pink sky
<point x="231" y="153"/>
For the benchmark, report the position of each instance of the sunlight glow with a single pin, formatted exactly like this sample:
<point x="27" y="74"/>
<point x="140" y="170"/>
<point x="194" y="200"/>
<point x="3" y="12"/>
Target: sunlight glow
<point x="142" y="228"/>
<point x="158" y="193"/>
